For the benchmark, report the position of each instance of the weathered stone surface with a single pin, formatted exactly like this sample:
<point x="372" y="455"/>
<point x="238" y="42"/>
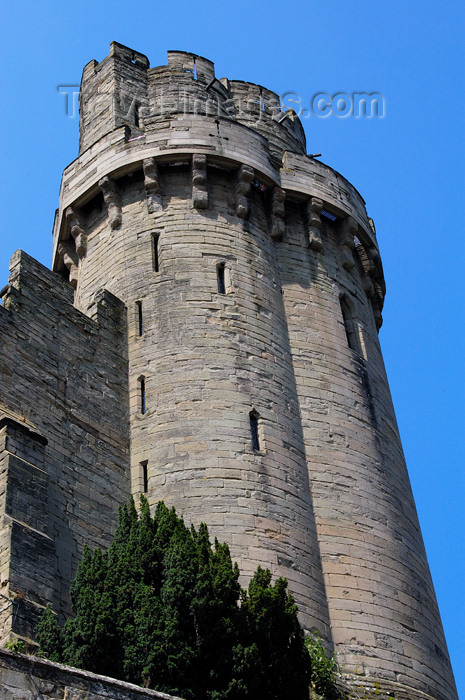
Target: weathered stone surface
<point x="218" y="181"/>
<point x="29" y="677"/>
<point x="64" y="463"/>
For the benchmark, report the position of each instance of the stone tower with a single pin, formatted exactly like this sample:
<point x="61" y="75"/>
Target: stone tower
<point x="210" y="338"/>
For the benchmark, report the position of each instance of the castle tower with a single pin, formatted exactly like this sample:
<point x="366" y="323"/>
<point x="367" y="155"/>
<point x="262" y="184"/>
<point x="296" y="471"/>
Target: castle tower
<point x="250" y="392"/>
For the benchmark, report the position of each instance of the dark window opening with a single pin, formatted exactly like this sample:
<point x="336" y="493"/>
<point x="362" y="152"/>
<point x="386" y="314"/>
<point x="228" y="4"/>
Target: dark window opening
<point x="136" y="115"/>
<point x="253" y="415"/>
<point x="142" y="398"/>
<point x="155" y="252"/>
<point x="145" y="477"/>
<point x="140" y="320"/>
<point x="220" y="278"/>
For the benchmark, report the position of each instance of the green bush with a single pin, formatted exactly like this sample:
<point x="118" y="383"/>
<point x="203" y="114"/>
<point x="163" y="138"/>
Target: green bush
<point x="164" y="609"/>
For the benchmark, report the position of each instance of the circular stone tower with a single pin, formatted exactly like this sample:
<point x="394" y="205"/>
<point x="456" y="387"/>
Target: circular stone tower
<point x="258" y="397"/>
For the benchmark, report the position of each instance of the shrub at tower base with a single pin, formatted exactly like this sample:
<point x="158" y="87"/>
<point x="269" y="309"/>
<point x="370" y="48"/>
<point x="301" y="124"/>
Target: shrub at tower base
<point x="163" y="609"/>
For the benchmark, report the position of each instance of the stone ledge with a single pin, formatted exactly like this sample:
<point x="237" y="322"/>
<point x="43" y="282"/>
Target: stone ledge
<point x="25" y="677"/>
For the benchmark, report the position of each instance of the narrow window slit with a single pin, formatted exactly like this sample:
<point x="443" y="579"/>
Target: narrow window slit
<point x="155" y="253"/>
<point x="136" y="115"/>
<point x="253" y="416"/>
<point x="220" y="278"/>
<point x="142" y="397"/>
<point x="145" y="477"/>
<point x="140" y="319"/>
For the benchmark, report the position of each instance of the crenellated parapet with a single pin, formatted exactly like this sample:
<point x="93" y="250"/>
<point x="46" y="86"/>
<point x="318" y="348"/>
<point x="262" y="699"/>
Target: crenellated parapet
<point x="137" y="119"/>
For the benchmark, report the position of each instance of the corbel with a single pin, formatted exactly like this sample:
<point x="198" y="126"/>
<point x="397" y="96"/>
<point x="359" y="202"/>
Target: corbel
<point x="67" y="249"/>
<point x="245" y="177"/>
<point x="152" y="185"/>
<point x="314" y="208"/>
<point x="76" y="226"/>
<point x="368" y="270"/>
<point x="347" y="233"/>
<point x="277" y="213"/>
<point x="373" y="281"/>
<point x="112" y="198"/>
<point x="199" y="181"/>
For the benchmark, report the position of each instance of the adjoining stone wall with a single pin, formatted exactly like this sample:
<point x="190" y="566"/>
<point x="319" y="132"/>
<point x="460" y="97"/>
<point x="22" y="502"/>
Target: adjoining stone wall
<point x="30" y="678"/>
<point x="63" y="436"/>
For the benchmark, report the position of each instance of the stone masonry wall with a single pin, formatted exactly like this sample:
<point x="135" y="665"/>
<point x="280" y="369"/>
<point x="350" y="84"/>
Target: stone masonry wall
<point x="250" y="379"/>
<point x="205" y="361"/>
<point x="381" y="600"/>
<point x="65" y="434"/>
<point x="30" y="678"/>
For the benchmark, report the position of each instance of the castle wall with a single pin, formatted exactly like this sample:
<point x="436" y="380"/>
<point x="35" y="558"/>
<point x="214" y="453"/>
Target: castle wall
<point x="207" y="360"/>
<point x="383" y="610"/>
<point x="64" y="439"/>
<point x="250" y="379"/>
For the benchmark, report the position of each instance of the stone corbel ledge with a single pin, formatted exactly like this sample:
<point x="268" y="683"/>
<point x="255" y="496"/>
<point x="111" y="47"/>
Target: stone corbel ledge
<point x="301" y="178"/>
<point x="245" y="176"/>
<point x="348" y="232"/>
<point x="385" y="690"/>
<point x="314" y="209"/>
<point x="112" y="198"/>
<point x="76" y="225"/>
<point x="67" y="250"/>
<point x="152" y="185"/>
<point x="199" y="181"/>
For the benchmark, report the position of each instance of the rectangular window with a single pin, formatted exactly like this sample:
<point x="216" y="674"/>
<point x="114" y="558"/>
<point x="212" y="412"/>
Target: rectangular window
<point x="140" y="320"/>
<point x="220" y="278"/>
<point x="155" y="252"/>
<point x="142" y="401"/>
<point x="144" y="474"/>
<point x="253" y="415"/>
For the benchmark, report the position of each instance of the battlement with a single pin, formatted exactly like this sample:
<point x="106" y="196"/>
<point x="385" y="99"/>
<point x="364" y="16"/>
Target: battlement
<point x="129" y="55"/>
<point x="122" y="90"/>
<point x="135" y="120"/>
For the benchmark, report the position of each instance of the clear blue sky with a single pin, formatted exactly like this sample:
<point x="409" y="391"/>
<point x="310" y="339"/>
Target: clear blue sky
<point x="408" y="166"/>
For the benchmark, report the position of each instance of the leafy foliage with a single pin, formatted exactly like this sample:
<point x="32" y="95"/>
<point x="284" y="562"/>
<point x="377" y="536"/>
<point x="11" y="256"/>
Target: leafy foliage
<point x="324" y="667"/>
<point x="164" y="609"/>
<point x="16" y="645"/>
